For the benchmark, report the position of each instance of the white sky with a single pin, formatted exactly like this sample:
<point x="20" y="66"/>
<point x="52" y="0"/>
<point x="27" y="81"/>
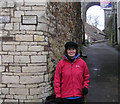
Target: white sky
<point x="96" y="11"/>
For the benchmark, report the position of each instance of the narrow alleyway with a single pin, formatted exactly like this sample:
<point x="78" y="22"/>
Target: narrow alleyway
<point x="102" y="61"/>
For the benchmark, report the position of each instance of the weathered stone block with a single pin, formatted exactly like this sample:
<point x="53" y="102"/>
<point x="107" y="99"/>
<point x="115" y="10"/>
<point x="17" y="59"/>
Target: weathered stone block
<point x="8" y="47"/>
<point x="19" y="2"/>
<point x="5" y="90"/>
<point x="21" y="48"/>
<point x="5" y="12"/>
<point x="1" y="101"/>
<point x="35" y="91"/>
<point x="13" y="101"/>
<point x="3" y="4"/>
<point x="17" y="32"/>
<point x="37" y="101"/>
<point x="15" y="85"/>
<point x="24" y="37"/>
<point x="29" y="43"/>
<point x="14" y="69"/>
<point x="15" y="20"/>
<point x="7" y="59"/>
<point x="2" y="85"/>
<point x="21" y="59"/>
<point x="9" y="96"/>
<point x="5" y="19"/>
<point x="12" y="12"/>
<point x="35" y="48"/>
<point x="9" y="26"/>
<point x="28" y="53"/>
<point x="36" y="2"/>
<point x="14" y="53"/>
<point x="41" y="58"/>
<point x="34" y="69"/>
<point x="34" y="97"/>
<point x="0" y="35"/>
<point x="35" y="32"/>
<point x="16" y="26"/>
<point x="10" y="79"/>
<point x="40" y="8"/>
<point x="7" y="73"/>
<point x="46" y="77"/>
<point x="43" y="20"/>
<point x="23" y="91"/>
<point x="38" y="13"/>
<point x="19" y="13"/>
<point x="31" y="85"/>
<point x="27" y="27"/>
<point x="31" y="79"/>
<point x="3" y="53"/>
<point x="1" y="26"/>
<point x="0" y="63"/>
<point x="44" y="53"/>
<point x="10" y="4"/>
<point x="39" y="38"/>
<point x="2" y="68"/>
<point x="29" y="20"/>
<point x="11" y="43"/>
<point x="20" y="96"/>
<point x="25" y="8"/>
<point x="42" y="26"/>
<point x="4" y="33"/>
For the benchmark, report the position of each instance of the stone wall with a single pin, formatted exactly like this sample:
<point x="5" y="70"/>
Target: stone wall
<point x="64" y="25"/>
<point x="32" y="37"/>
<point x="24" y="51"/>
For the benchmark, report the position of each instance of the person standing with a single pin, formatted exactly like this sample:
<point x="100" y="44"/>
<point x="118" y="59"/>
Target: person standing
<point x="71" y="80"/>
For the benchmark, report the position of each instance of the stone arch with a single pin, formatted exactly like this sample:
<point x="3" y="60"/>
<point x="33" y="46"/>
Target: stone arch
<point x="89" y="5"/>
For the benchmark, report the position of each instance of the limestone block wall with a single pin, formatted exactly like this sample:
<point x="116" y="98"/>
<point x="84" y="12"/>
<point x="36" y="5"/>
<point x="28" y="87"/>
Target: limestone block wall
<point x="24" y="51"/>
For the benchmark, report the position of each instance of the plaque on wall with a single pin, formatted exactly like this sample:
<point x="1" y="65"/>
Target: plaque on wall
<point x="29" y="19"/>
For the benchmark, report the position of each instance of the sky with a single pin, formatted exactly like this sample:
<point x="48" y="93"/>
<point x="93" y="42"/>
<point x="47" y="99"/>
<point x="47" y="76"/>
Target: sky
<point x="94" y="12"/>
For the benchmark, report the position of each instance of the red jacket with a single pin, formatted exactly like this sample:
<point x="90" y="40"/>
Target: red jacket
<point x="70" y="78"/>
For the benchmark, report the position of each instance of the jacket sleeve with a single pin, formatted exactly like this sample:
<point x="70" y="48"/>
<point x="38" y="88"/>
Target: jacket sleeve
<point x="57" y="80"/>
<point x="86" y="76"/>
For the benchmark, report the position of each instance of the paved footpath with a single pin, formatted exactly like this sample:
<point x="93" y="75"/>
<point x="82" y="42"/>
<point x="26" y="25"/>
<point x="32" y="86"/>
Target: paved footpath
<point x="102" y="61"/>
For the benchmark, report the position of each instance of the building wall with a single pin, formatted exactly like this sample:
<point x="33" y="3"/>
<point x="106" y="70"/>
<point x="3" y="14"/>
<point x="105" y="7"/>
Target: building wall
<point x="32" y="42"/>
<point x="24" y="42"/>
<point x="64" y="20"/>
<point x="118" y="21"/>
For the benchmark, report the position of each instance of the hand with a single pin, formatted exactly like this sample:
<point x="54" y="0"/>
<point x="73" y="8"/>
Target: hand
<point x="84" y="91"/>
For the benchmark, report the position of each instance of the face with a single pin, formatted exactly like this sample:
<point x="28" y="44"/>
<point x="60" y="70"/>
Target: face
<point x="71" y="52"/>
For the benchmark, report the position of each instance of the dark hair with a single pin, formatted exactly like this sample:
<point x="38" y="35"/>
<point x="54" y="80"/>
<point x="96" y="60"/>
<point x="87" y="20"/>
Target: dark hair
<point x="71" y="45"/>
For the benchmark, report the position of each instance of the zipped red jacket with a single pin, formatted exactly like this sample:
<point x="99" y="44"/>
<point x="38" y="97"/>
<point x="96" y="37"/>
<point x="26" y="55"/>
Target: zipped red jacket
<point x="70" y="78"/>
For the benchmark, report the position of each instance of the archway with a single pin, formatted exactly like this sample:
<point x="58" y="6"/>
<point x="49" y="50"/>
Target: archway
<point x="95" y="17"/>
<point x="89" y="5"/>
